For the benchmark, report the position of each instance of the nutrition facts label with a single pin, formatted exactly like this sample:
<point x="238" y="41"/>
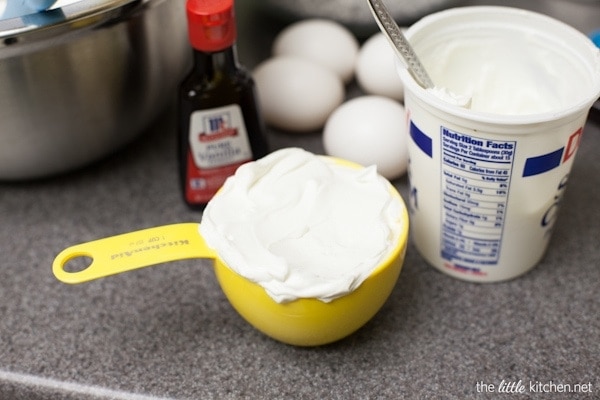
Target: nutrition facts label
<point x="475" y="187"/>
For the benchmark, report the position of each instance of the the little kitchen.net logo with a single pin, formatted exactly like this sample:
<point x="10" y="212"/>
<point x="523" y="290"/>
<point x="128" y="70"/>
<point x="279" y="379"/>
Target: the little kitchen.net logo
<point x="533" y="386"/>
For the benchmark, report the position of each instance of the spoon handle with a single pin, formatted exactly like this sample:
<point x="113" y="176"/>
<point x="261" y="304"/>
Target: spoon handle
<point x="129" y="251"/>
<point x="403" y="48"/>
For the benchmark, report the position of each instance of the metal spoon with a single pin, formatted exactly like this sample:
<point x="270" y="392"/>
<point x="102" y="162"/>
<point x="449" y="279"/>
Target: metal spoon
<point x="399" y="42"/>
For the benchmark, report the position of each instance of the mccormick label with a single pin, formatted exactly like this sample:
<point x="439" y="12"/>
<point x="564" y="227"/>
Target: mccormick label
<point x="218" y="146"/>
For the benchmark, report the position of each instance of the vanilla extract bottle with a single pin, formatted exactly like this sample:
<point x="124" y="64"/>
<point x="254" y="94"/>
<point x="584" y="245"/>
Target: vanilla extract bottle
<point x="220" y="127"/>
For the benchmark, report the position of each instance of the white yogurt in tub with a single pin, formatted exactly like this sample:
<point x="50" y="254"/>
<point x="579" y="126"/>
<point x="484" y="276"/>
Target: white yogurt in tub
<point x="510" y="74"/>
<point x="505" y="66"/>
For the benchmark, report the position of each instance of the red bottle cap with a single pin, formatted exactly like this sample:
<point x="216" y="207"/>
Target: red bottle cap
<point x="211" y="24"/>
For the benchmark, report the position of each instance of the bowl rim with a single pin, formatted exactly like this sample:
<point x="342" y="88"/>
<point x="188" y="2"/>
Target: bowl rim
<point x="83" y="14"/>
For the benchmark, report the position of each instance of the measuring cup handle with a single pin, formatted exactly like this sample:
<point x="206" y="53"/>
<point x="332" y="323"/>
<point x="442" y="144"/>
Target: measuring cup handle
<point x="133" y="250"/>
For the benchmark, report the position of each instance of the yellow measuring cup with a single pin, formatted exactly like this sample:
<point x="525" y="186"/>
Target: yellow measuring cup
<point x="302" y="322"/>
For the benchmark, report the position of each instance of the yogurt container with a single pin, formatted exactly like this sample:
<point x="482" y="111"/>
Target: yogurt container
<point x="492" y="146"/>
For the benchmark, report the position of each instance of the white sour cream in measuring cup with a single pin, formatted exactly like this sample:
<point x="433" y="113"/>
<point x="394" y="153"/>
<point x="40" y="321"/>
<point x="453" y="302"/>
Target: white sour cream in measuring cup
<point x="303" y="226"/>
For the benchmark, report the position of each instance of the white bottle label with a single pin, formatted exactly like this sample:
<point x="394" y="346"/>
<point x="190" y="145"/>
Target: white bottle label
<point x="218" y="137"/>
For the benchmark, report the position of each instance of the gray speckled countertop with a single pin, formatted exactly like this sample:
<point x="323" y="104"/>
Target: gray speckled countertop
<point x="168" y="332"/>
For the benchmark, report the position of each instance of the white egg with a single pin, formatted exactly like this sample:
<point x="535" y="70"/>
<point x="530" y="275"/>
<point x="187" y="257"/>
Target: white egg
<point x="297" y="95"/>
<point x="322" y="41"/>
<point x="369" y="130"/>
<point x="376" y="69"/>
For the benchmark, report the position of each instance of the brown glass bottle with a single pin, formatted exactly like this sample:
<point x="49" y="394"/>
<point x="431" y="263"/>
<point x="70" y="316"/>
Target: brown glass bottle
<point x="220" y="127"/>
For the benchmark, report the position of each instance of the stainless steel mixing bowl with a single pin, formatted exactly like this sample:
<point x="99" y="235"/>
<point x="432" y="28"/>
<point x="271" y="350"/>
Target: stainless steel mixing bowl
<point x="80" y="81"/>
